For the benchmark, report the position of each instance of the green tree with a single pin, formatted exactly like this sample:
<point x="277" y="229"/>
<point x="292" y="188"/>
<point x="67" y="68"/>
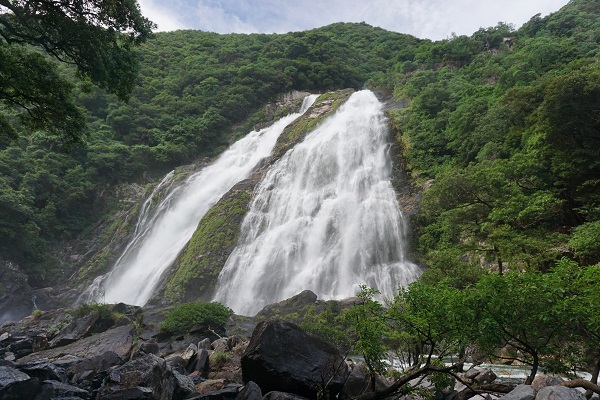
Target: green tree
<point x="94" y="36"/>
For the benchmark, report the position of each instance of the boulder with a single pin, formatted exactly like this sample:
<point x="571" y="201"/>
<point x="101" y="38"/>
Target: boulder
<point x="358" y="382"/>
<point x="559" y="393"/>
<point x="118" y="340"/>
<point x="229" y="392"/>
<point x="204" y="344"/>
<point x="210" y="385"/>
<point x="200" y="363"/>
<point x="542" y="380"/>
<point x="135" y="376"/>
<point x="520" y="392"/>
<point x="84" y="372"/>
<point x="184" y="386"/>
<point x="220" y="345"/>
<point x="485" y="376"/>
<point x="190" y="352"/>
<point x="59" y="390"/>
<point x="251" y="391"/>
<point x="17" y="385"/>
<point x="282" y="396"/>
<point x="281" y="357"/>
<point x="44" y="371"/>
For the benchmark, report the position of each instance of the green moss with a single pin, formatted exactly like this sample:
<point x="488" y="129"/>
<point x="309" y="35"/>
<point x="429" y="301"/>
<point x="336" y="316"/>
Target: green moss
<point x="199" y="264"/>
<point x="323" y="107"/>
<point x="189" y="315"/>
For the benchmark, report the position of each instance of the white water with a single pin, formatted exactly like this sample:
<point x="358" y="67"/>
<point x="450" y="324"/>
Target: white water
<point x="162" y="233"/>
<point x="325" y="218"/>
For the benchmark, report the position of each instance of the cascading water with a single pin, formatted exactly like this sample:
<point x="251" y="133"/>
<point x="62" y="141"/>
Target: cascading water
<point x="324" y="218"/>
<point x="161" y="234"/>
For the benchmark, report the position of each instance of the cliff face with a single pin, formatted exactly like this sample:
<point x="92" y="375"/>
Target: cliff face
<point x="194" y="274"/>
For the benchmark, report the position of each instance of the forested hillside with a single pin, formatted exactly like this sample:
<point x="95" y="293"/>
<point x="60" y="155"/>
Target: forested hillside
<point x="503" y="127"/>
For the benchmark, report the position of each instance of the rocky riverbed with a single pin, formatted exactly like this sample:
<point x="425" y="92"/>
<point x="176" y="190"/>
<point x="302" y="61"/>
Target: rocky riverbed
<point x="120" y="352"/>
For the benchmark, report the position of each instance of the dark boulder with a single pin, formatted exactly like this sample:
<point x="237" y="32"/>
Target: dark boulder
<point x="90" y="372"/>
<point x="118" y="340"/>
<point x="16" y="385"/>
<point x="251" y="391"/>
<point x="45" y="371"/>
<point x="148" y="371"/>
<point x="281" y="357"/>
<point x="282" y="396"/>
<point x="59" y="390"/>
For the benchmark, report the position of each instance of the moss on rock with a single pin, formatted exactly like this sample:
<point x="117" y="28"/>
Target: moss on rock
<point x="199" y="264"/>
<point x="194" y="274"/>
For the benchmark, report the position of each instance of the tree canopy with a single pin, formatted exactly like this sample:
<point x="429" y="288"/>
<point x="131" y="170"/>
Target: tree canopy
<point x="94" y="36"/>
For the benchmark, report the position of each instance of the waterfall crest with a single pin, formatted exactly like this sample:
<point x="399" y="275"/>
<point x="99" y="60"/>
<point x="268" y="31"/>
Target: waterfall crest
<point x="324" y="218"/>
<point x="163" y="230"/>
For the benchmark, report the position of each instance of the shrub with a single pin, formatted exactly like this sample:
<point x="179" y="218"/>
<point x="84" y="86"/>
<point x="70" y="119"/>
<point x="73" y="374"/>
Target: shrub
<point x="186" y="316"/>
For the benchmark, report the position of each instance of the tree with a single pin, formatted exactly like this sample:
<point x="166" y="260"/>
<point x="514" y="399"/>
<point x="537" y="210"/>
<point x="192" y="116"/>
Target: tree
<point x="95" y="36"/>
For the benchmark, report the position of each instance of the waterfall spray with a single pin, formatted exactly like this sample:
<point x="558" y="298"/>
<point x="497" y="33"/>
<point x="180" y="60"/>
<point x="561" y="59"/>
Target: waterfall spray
<point x="324" y="218"/>
<point x="162" y="231"/>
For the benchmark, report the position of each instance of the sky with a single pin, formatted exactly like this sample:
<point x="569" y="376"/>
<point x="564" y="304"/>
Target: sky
<point x="432" y="19"/>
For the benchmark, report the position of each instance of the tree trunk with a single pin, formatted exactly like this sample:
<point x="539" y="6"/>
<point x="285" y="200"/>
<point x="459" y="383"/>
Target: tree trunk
<point x="582" y="383"/>
<point x="594" y="380"/>
<point x="534" y="368"/>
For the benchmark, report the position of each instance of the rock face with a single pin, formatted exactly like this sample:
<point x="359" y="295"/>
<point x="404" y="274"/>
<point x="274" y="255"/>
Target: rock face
<point x="281" y="357"/>
<point x="15" y="294"/>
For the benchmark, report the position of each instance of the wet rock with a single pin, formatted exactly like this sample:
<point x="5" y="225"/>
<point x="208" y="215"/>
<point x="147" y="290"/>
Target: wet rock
<point x="282" y="396"/>
<point x="86" y="371"/>
<point x="190" y="352"/>
<point x="485" y="376"/>
<point x="358" y="382"/>
<point x="10" y="376"/>
<point x="59" y="390"/>
<point x="281" y="357"/>
<point x="204" y="344"/>
<point x="229" y="392"/>
<point x="184" y="386"/>
<point x="251" y="391"/>
<point x="127" y="393"/>
<point x="15" y="384"/>
<point x="118" y="340"/>
<point x="210" y="385"/>
<point x="200" y="363"/>
<point x="520" y="392"/>
<point x="559" y="393"/>
<point x="77" y="329"/>
<point x="220" y="345"/>
<point x="542" y="380"/>
<point x="21" y="348"/>
<point x="177" y="364"/>
<point x="44" y="371"/>
<point x="150" y="348"/>
<point x="148" y="371"/>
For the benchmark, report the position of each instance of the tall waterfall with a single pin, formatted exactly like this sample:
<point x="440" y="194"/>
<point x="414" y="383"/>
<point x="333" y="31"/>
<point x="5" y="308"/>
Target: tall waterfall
<point x="163" y="232"/>
<point x="324" y="218"/>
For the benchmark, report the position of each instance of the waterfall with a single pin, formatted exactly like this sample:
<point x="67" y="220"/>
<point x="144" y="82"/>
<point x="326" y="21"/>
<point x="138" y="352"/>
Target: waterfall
<point x="324" y="218"/>
<point x="163" y="230"/>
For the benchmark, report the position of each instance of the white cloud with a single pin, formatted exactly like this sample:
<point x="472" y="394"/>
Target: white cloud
<point x="165" y="17"/>
<point x="434" y="19"/>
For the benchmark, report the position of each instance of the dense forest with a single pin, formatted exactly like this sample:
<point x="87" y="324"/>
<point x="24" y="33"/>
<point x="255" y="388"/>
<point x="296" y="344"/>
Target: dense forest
<point x="502" y="127"/>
